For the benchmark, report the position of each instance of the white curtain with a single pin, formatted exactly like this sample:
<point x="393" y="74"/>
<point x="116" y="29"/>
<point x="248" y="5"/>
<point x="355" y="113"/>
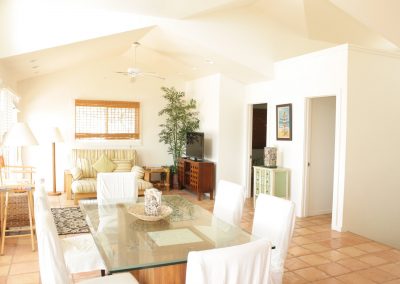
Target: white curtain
<point x="8" y="116"/>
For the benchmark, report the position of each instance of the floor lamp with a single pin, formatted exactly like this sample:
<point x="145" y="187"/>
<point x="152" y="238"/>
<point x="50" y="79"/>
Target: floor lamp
<point x="55" y="137"/>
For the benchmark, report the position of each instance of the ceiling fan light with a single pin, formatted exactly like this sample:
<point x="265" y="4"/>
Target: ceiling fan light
<point x="133" y="70"/>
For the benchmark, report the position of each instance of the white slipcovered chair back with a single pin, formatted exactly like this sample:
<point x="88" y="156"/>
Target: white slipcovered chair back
<point x="274" y="219"/>
<point x="248" y="263"/>
<point x="229" y="202"/>
<point x="51" y="257"/>
<point x="120" y="186"/>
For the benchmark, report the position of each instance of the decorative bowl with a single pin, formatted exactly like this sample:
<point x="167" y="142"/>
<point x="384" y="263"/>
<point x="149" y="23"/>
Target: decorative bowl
<point x="137" y="210"/>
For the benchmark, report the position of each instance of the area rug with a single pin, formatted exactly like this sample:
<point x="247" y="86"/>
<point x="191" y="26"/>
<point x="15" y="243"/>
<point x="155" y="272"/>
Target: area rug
<point x="69" y="220"/>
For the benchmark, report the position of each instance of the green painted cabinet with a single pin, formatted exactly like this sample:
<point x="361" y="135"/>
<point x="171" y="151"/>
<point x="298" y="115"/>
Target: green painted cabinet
<point x="271" y="181"/>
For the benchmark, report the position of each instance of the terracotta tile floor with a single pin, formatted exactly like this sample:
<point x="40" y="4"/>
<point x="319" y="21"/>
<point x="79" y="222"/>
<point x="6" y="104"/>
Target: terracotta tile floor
<point x="316" y="254"/>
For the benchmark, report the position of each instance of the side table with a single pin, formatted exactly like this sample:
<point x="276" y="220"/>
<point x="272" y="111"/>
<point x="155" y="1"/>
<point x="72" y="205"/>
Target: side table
<point x="163" y="182"/>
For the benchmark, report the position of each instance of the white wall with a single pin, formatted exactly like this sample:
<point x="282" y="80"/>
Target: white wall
<point x="372" y="164"/>
<point x="317" y="74"/>
<point x="6" y="80"/>
<point x="366" y="86"/>
<point x="231" y="131"/>
<point x="49" y="100"/>
<point x="206" y="93"/>
<point x="221" y="106"/>
<point x="321" y="155"/>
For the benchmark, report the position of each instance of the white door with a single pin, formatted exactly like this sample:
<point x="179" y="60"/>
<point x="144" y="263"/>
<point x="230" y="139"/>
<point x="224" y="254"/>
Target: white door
<point x="321" y="155"/>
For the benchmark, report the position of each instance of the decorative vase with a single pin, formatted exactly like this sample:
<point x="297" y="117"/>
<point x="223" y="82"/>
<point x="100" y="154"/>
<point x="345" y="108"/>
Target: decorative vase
<point x="270" y="157"/>
<point x="152" y="202"/>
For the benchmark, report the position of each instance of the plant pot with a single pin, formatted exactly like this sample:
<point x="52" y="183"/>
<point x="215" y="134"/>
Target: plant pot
<point x="175" y="181"/>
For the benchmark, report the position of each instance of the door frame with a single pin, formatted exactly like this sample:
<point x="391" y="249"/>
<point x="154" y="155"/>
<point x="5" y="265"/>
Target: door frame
<point x="339" y="160"/>
<point x="248" y="159"/>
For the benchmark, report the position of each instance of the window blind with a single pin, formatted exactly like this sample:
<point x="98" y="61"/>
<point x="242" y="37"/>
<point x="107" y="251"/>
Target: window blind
<point x="95" y="119"/>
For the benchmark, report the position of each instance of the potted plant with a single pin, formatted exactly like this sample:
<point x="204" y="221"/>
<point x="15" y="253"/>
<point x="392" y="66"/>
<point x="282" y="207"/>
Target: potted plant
<point x="180" y="118"/>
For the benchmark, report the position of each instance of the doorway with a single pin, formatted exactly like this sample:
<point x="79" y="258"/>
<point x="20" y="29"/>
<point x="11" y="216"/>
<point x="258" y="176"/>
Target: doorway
<point x="258" y="137"/>
<point x="320" y="155"/>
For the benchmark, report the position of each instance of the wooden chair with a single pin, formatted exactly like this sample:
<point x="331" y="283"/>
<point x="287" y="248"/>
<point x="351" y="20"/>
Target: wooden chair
<point x="15" y="182"/>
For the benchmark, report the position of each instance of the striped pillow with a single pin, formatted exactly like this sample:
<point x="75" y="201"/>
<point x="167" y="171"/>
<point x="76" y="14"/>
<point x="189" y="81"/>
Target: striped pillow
<point x="122" y="165"/>
<point x="139" y="171"/>
<point x="86" y="166"/>
<point x="76" y="173"/>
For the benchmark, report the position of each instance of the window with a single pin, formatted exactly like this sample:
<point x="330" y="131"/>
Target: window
<point x="106" y="119"/>
<point x="8" y="111"/>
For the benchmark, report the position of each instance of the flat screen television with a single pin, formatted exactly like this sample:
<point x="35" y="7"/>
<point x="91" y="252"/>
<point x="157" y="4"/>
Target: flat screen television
<point x="195" y="145"/>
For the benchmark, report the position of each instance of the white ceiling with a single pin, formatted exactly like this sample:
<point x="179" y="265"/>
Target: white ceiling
<point x="242" y="38"/>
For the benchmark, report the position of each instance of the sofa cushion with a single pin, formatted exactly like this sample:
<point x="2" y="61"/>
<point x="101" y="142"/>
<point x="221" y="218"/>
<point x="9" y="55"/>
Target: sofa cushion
<point x="86" y="185"/>
<point x="76" y="173"/>
<point x="86" y="166"/>
<point x="104" y="165"/>
<point x="122" y="165"/>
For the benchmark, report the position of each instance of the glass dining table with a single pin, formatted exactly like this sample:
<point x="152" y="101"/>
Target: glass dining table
<point x="156" y="251"/>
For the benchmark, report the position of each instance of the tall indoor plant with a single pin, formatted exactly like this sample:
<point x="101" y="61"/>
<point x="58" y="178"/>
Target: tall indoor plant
<point x="180" y="117"/>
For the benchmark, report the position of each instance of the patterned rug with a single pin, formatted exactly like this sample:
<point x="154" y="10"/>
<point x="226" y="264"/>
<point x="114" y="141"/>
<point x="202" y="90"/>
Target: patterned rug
<point x="69" y="220"/>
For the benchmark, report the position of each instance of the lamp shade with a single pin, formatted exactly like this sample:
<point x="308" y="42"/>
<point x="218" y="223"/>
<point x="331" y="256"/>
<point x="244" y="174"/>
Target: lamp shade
<point x="55" y="135"/>
<point x="19" y="135"/>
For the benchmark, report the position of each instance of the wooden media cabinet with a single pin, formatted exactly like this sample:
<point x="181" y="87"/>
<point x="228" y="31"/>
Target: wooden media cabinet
<point x="197" y="176"/>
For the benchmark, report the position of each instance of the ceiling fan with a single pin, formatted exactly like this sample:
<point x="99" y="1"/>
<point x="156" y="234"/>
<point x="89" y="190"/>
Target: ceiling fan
<point x="134" y="72"/>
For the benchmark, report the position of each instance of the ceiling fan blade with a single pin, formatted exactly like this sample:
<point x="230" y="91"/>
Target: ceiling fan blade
<point x="151" y="74"/>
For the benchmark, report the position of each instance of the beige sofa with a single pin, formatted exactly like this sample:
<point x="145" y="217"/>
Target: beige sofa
<point x="80" y="181"/>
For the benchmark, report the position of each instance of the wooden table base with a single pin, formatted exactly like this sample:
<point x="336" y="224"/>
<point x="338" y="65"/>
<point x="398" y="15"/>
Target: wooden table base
<point x="162" y="275"/>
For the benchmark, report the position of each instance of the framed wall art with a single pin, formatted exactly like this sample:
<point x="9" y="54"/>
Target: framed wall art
<point x="284" y="122"/>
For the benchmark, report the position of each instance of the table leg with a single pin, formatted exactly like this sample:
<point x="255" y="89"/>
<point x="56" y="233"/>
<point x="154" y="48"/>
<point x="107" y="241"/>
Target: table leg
<point x="4" y="222"/>
<point x="30" y="207"/>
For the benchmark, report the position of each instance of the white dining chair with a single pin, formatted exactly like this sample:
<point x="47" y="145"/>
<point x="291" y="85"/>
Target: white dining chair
<point x="53" y="268"/>
<point x="274" y="219"/>
<point x="75" y="248"/>
<point x="247" y="263"/>
<point x="229" y="202"/>
<point x="120" y="186"/>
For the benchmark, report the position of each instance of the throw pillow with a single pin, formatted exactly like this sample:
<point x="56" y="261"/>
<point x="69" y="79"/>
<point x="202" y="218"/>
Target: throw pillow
<point x="76" y="173"/>
<point x="122" y="165"/>
<point x="104" y="165"/>
<point x="139" y="171"/>
<point x="86" y="166"/>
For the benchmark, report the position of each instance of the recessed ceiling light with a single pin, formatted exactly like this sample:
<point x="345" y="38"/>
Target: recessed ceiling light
<point x="194" y="68"/>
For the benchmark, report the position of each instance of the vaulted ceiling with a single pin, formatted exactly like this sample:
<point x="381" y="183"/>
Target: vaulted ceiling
<point x="240" y="38"/>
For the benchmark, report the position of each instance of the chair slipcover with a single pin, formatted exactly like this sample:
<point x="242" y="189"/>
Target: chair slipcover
<point x="248" y="263"/>
<point x="116" y="186"/>
<point x="78" y="248"/>
<point x="229" y="202"/>
<point x="274" y="219"/>
<point x="118" y="278"/>
<point x="74" y="249"/>
<point x="51" y="257"/>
